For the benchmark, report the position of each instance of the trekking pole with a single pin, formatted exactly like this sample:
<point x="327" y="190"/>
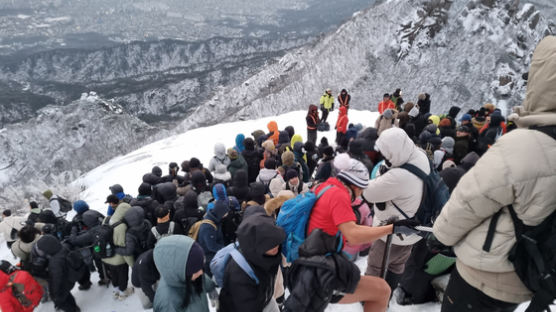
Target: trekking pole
<point x="386" y="257"/>
<point x="424" y="228"/>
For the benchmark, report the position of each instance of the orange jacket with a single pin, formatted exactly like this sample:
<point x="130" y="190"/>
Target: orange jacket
<point x="273" y="127"/>
<point x="342" y="122"/>
<point x="384" y="105"/>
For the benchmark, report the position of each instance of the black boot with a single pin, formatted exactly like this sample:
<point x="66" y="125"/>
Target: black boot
<point x="393" y="280"/>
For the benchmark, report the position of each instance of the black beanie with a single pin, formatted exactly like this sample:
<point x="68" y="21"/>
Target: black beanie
<point x="270" y="163"/>
<point x="195" y="260"/>
<point x="49" y="244"/>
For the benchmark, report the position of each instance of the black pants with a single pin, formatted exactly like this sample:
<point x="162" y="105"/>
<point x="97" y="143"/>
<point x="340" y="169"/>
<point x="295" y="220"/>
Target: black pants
<point x="68" y="304"/>
<point x="312" y="136"/>
<point x="100" y="269"/>
<point x="460" y="296"/>
<point x="119" y="275"/>
<point x="324" y="115"/>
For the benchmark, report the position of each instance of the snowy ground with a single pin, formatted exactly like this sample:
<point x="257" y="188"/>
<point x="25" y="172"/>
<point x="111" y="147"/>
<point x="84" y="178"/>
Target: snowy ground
<point x="128" y="170"/>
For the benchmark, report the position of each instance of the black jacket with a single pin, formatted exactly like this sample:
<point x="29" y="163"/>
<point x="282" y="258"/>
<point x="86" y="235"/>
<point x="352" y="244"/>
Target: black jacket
<point x="78" y="225"/>
<point x="257" y="234"/>
<point x="144" y="274"/>
<point x="253" y="161"/>
<point x="162" y="228"/>
<point x="314" y="277"/>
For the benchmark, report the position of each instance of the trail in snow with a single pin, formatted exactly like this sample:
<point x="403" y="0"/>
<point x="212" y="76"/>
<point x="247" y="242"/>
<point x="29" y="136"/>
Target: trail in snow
<point x="128" y="170"/>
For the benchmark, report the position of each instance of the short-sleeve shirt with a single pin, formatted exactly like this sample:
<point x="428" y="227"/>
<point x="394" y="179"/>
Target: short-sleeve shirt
<point x="332" y="209"/>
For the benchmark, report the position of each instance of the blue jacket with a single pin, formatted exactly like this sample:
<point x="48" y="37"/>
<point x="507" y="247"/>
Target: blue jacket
<point x="239" y="143"/>
<point x="170" y="257"/>
<point x="211" y="239"/>
<point x="219" y="193"/>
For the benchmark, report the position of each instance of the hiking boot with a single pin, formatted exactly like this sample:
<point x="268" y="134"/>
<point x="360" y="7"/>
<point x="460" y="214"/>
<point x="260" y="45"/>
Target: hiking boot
<point x="116" y="294"/>
<point x="85" y="286"/>
<point x="104" y="282"/>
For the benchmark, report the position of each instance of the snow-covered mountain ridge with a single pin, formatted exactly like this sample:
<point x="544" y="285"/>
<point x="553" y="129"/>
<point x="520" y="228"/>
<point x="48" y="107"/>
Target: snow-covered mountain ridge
<point x="463" y="53"/>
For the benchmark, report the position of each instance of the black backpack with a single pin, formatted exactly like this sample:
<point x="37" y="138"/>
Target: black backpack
<point x="65" y="205"/>
<point x="141" y="235"/>
<point x="103" y="243"/>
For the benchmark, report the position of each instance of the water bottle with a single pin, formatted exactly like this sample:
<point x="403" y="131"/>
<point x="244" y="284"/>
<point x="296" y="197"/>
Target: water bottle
<point x="108" y="250"/>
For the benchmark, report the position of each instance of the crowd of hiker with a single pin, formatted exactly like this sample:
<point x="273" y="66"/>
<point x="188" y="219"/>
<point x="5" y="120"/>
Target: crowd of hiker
<point x="423" y="197"/>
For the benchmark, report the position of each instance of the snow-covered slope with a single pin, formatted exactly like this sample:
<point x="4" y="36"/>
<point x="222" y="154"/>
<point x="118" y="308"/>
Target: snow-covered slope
<point x="462" y="52"/>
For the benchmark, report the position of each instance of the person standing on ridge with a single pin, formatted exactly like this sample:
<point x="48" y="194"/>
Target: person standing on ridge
<point x="326" y="104"/>
<point x="385" y="104"/>
<point x="344" y="98"/>
<point x="312" y="123"/>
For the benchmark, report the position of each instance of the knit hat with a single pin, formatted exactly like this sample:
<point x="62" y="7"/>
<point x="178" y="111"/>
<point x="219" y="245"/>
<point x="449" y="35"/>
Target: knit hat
<point x="49" y="245"/>
<point x="352" y="171"/>
<point x="7" y="212"/>
<point x="448" y="144"/>
<point x="290" y="174"/>
<point x="288" y="158"/>
<point x="80" y="206"/>
<point x="465" y="117"/>
<point x="195" y="260"/>
<point x="145" y="189"/>
<point x="232" y="153"/>
<point x="116" y="188"/>
<point x="47" y="194"/>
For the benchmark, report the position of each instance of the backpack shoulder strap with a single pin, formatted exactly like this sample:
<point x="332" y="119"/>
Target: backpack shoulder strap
<point x="240" y="260"/>
<point x="401" y="211"/>
<point x="207" y="221"/>
<point x="155" y="233"/>
<point x="491" y="230"/>
<point x="415" y="170"/>
<point x="171" y="228"/>
<point x="324" y="190"/>
<point x="115" y="224"/>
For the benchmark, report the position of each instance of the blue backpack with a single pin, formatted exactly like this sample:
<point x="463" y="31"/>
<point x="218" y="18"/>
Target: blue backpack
<point x="435" y="194"/>
<point x="220" y="260"/>
<point x="294" y="218"/>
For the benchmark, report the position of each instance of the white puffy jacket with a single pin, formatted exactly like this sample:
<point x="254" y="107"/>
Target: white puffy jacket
<point x="398" y="185"/>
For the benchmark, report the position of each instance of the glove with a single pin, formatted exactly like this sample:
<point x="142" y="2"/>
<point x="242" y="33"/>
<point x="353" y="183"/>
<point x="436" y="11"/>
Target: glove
<point x="405" y="226"/>
<point x="436" y="247"/>
<point x="213" y="296"/>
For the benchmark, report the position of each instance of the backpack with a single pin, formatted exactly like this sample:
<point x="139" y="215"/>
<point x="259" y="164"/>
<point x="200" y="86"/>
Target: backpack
<point x="267" y="185"/>
<point x="141" y="236"/>
<point x="158" y="236"/>
<point x="435" y="195"/>
<point x="220" y="261"/>
<point x="533" y="257"/>
<point x="194" y="230"/>
<point x="25" y="289"/>
<point x="323" y="126"/>
<point x="187" y="222"/>
<point x="103" y="242"/>
<point x="294" y="218"/>
<point x="63" y="228"/>
<point x="65" y="205"/>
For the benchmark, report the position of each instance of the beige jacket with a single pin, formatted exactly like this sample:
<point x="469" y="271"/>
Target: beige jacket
<point x="22" y="250"/>
<point x="520" y="169"/>
<point x="119" y="234"/>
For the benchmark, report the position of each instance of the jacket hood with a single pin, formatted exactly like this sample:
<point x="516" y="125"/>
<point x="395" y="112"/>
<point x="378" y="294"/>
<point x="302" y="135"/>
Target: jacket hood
<point x="496" y="119"/>
<point x="290" y="130"/>
<point x="469" y="161"/>
<point x="220" y="150"/>
<point x="298" y="148"/>
<point x="435" y="119"/>
<point x="272" y="126"/>
<point x="396" y="146"/>
<point x="134" y="216"/>
<point x="241" y="179"/>
<point x="454" y="111"/>
<point x="239" y="142"/>
<point x="343" y="110"/>
<point x="165" y="191"/>
<point x="296" y="138"/>
<point x="91" y="218"/>
<point x="284" y="137"/>
<point x="157" y="171"/>
<point x="219" y="192"/>
<point x="190" y="201"/>
<point x="221" y="208"/>
<point x="257" y="234"/>
<point x="539" y="107"/>
<point x="49" y="245"/>
<point x="170" y="257"/>
<point x="249" y="144"/>
<point x="356" y="147"/>
<point x="151" y="179"/>
<point x="119" y="213"/>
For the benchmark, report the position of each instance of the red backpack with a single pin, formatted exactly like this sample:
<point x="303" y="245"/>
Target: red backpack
<point x="19" y="292"/>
